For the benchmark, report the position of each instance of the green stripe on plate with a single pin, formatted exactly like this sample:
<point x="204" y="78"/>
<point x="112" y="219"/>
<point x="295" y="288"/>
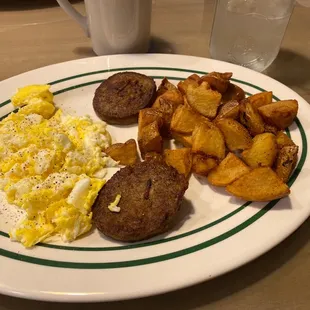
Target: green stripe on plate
<point x="166" y="256"/>
<point x="139" y="262"/>
<point x="139" y="245"/>
<point x="5" y="103"/>
<point x="172" y="255"/>
<point x="144" y="244"/>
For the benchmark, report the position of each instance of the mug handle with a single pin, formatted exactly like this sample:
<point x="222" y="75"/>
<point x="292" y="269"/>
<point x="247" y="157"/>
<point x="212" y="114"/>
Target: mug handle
<point x="71" y="11"/>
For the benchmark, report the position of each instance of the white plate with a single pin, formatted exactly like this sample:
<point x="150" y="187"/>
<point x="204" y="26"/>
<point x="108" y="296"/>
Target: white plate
<point x="216" y="233"/>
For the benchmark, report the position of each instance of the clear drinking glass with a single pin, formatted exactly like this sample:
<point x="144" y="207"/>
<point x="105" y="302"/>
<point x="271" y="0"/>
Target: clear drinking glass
<point x="249" y="32"/>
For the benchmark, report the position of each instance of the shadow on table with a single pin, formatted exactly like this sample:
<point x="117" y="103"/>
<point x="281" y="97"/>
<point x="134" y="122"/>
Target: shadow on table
<point x="290" y="68"/>
<point x="84" y="51"/>
<point x="12" y="5"/>
<point x="198" y="295"/>
<point x="157" y="45"/>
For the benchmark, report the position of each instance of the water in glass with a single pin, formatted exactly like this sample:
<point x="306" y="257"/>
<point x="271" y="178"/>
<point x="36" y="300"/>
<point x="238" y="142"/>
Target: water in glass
<point x="249" y="32"/>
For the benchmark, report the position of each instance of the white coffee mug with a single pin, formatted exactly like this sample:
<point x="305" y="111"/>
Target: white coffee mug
<point x="115" y="26"/>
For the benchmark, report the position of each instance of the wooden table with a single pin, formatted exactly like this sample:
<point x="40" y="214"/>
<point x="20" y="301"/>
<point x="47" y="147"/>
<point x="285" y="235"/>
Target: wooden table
<point x="38" y="33"/>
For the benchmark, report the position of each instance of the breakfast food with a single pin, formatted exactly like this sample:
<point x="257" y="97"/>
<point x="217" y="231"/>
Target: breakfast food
<point x="124" y="153"/>
<point x="260" y="184"/>
<point x="149" y="196"/>
<point x="224" y="135"/>
<point x="51" y="166"/>
<point x="229" y="169"/>
<point x="167" y="103"/>
<point x="119" y="98"/>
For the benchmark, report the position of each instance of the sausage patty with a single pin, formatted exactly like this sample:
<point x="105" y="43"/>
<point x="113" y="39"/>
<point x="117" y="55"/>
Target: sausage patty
<point x="151" y="194"/>
<point x="119" y="98"/>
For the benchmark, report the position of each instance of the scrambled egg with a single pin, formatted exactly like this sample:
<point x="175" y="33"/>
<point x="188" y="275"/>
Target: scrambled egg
<point x="113" y="206"/>
<point x="52" y="166"/>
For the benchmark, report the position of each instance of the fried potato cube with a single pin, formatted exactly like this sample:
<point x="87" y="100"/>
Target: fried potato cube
<point x="148" y="116"/>
<point x="260" y="184"/>
<point x="164" y="86"/>
<point x="236" y="136"/>
<point x="172" y="95"/>
<point x="233" y="92"/>
<point x="186" y="104"/>
<point x="184" y="120"/>
<point x="283" y="140"/>
<point x="167" y="103"/>
<point x="185" y="140"/>
<point x="263" y="151"/>
<point x="286" y="162"/>
<point x="250" y="118"/>
<point x="280" y="114"/>
<point x="150" y="139"/>
<point x="230" y="109"/>
<point x="125" y="153"/>
<point x="204" y="101"/>
<point x="153" y="156"/>
<point x="180" y="159"/>
<point x="191" y="80"/>
<point x="260" y="99"/>
<point x="218" y="81"/>
<point x="202" y="164"/>
<point x="167" y="108"/>
<point x="194" y="77"/>
<point x="208" y="140"/>
<point x="271" y="129"/>
<point x="230" y="169"/>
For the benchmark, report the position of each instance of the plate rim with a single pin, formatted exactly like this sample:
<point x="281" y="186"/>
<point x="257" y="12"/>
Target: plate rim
<point x="157" y="67"/>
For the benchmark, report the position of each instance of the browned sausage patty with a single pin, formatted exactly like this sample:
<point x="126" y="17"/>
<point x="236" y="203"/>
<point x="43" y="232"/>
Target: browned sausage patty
<point x="151" y="194"/>
<point x="119" y="98"/>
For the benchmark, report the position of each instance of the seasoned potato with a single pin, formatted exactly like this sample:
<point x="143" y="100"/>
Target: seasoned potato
<point x="271" y="129"/>
<point x="230" y="169"/>
<point x="217" y="81"/>
<point x="184" y="120"/>
<point x="185" y="140"/>
<point x="260" y="99"/>
<point x="208" y="140"/>
<point x="233" y="92"/>
<point x="125" y="153"/>
<point x="280" y="114"/>
<point x="186" y="104"/>
<point x="202" y="164"/>
<point x="153" y="156"/>
<point x="236" y="136"/>
<point x="172" y="95"/>
<point x="150" y="139"/>
<point x="263" y="151"/>
<point x="194" y="77"/>
<point x="283" y="140"/>
<point x="180" y="159"/>
<point x="286" y="162"/>
<point x="191" y="80"/>
<point x="260" y="184"/>
<point x="250" y="118"/>
<point x="204" y="101"/>
<point x="149" y="115"/>
<point x="230" y="109"/>
<point x="164" y="86"/>
<point x="167" y="107"/>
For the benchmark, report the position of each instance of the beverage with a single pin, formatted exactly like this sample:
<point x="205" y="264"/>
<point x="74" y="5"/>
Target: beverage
<point x="249" y="32"/>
